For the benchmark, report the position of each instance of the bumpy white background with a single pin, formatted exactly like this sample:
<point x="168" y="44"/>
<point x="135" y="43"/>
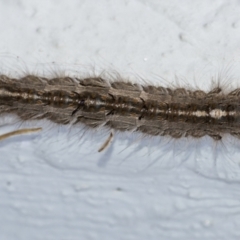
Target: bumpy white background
<point x="55" y="185"/>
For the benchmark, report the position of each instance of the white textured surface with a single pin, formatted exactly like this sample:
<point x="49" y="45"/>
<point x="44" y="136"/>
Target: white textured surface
<point x="54" y="184"/>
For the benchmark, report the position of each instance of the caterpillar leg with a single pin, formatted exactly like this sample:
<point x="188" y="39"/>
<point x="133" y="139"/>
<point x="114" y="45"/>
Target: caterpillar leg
<point x="106" y="143"/>
<point x="19" y="132"/>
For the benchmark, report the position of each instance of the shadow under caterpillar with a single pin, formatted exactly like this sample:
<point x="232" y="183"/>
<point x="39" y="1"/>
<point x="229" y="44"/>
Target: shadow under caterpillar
<point x="123" y="106"/>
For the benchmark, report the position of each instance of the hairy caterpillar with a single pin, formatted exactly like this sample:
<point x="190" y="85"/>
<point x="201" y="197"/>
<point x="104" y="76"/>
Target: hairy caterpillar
<point x="123" y="106"/>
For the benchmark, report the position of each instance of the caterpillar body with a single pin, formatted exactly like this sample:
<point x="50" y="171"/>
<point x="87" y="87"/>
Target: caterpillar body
<point x="123" y="106"/>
